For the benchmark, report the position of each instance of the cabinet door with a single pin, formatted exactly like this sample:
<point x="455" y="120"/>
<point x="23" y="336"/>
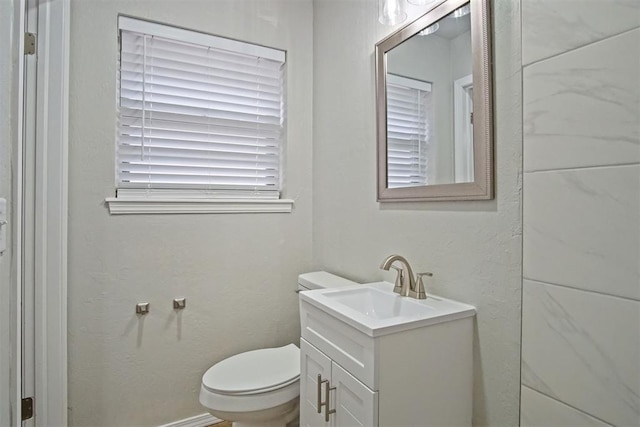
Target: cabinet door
<point x="355" y="403"/>
<point x="312" y="364"/>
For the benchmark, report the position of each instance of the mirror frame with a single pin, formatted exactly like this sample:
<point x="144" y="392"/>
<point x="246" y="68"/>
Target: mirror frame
<point x="482" y="186"/>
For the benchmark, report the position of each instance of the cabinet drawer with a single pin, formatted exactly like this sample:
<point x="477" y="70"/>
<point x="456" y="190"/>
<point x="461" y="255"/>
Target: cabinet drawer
<point x="349" y="347"/>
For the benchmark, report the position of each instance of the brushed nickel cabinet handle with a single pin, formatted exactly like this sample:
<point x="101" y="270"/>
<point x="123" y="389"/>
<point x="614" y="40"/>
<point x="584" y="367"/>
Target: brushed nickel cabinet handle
<point x="319" y="392"/>
<point x="327" y="391"/>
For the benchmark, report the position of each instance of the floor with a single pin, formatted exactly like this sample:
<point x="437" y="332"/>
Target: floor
<point x="229" y="424"/>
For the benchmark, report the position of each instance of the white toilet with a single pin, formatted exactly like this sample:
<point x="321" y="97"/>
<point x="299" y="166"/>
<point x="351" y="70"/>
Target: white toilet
<point x="261" y="388"/>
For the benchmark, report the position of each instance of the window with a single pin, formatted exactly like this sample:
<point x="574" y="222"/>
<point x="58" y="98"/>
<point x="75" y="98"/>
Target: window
<point x="408" y="133"/>
<point x="199" y="116"/>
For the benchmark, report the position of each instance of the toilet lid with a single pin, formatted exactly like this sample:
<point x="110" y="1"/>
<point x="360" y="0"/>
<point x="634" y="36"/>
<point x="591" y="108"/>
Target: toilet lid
<point x="254" y="371"/>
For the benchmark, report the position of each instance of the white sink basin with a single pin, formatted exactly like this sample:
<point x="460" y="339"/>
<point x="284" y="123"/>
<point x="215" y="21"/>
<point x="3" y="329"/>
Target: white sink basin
<point x="377" y="304"/>
<point x="376" y="310"/>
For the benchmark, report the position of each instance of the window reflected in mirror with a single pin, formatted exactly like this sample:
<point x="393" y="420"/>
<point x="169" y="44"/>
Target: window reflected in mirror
<point x="430" y="105"/>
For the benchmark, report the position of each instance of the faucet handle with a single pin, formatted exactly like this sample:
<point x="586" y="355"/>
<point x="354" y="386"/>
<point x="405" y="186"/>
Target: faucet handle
<point x="420" y="293"/>
<point x="398" y="286"/>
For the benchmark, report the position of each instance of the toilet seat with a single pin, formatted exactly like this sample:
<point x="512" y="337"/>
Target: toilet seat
<point x="254" y="371"/>
<point x="253" y="381"/>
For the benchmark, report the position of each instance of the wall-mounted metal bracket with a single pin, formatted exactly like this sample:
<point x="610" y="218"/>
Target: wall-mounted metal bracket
<point x="179" y="303"/>
<point x="142" y="308"/>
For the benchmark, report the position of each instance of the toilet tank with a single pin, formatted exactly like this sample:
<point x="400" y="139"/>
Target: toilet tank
<point x="322" y="280"/>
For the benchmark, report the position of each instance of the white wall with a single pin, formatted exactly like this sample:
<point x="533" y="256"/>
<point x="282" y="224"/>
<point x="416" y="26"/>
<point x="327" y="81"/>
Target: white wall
<point x="581" y="292"/>
<point x="238" y="272"/>
<point x="474" y="248"/>
<point x="461" y="57"/>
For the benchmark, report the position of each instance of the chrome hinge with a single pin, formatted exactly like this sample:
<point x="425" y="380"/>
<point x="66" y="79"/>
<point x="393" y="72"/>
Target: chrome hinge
<point x="471" y="118"/>
<point x="27" y="408"/>
<point x="29" y="44"/>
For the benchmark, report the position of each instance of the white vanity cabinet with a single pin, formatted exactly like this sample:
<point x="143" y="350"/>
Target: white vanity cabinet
<point x="330" y="396"/>
<point x="404" y="376"/>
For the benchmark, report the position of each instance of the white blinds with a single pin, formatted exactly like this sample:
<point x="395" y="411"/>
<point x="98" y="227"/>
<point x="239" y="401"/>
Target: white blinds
<point x="407" y="132"/>
<point x="194" y="116"/>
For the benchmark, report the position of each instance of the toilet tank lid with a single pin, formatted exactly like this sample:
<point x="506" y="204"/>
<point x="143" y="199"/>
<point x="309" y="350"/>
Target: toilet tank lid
<point x="322" y="280"/>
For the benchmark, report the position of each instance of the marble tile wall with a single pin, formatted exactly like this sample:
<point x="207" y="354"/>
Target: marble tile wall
<point x="540" y="410"/>
<point x="553" y="27"/>
<point x="581" y="213"/>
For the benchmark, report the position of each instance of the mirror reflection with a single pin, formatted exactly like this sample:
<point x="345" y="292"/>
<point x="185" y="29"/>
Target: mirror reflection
<point x="429" y="92"/>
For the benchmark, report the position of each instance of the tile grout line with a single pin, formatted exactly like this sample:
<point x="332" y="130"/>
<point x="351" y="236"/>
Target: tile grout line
<point x="524" y="66"/>
<point x="581" y="289"/>
<point x="566" y="404"/>
<point x="578" y="168"/>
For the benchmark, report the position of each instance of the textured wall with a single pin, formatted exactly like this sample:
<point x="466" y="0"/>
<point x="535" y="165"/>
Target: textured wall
<point x="581" y="268"/>
<point x="474" y="248"/>
<point x="238" y="272"/>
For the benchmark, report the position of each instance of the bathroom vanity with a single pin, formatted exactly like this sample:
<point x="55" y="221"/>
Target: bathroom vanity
<point x="373" y="358"/>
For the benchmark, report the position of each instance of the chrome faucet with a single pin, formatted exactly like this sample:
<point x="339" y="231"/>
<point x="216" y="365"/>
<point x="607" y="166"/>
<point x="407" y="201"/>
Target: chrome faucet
<point x="405" y="284"/>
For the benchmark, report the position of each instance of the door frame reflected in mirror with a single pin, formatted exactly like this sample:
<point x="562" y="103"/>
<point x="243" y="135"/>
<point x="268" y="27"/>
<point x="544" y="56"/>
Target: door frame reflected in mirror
<point x="481" y="188"/>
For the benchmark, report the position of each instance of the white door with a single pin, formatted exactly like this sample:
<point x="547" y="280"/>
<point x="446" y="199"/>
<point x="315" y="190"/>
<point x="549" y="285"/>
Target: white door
<point x="313" y="363"/>
<point x="463" y="128"/>
<point x="355" y="403"/>
<point x="43" y="192"/>
<point x="28" y="208"/>
<point x="11" y="28"/>
<point x="33" y="170"/>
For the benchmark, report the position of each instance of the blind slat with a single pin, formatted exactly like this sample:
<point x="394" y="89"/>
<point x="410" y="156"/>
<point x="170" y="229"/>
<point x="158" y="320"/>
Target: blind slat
<point x="206" y="64"/>
<point x="169" y="86"/>
<point x="188" y="180"/>
<point x="133" y="117"/>
<point x="238" y="154"/>
<point x="162" y="164"/>
<point x="190" y="53"/>
<point x="227" y="127"/>
<point x="135" y="72"/>
<point x="185" y="141"/>
<point x="240" y="105"/>
<point x="158" y="70"/>
<point x="198" y="111"/>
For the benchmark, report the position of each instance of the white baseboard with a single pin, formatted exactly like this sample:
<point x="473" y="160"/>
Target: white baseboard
<point x="201" y="420"/>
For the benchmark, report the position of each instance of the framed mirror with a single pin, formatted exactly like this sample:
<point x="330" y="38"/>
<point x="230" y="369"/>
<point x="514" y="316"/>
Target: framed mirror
<point x="434" y="106"/>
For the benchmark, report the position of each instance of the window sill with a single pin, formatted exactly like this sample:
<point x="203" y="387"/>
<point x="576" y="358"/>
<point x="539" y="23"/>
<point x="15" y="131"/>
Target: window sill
<point x="143" y="205"/>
